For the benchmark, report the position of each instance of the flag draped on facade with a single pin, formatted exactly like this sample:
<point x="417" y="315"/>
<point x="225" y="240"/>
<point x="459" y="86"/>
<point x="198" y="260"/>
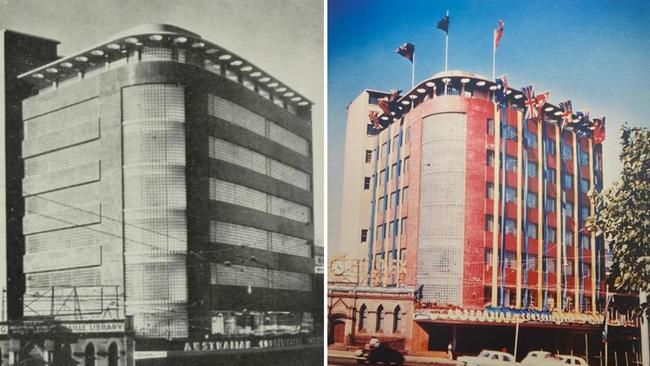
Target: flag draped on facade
<point x="598" y="130"/>
<point x="567" y="113"/>
<point x="373" y="116"/>
<point x="530" y="103"/>
<point x="502" y="88"/>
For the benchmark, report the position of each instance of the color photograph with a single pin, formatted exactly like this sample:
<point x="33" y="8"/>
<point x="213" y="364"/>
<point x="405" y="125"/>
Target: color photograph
<point x="488" y="169"/>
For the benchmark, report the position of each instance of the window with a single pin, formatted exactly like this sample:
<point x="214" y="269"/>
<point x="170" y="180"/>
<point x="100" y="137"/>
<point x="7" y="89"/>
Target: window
<point x="567" y="181"/>
<point x="550" y="232"/>
<point x="378" y="236"/>
<point x="584" y="185"/>
<point x="510" y="226"/>
<point x="396" y="142"/>
<point x="550" y="175"/>
<point x="531" y="137"/>
<point x="397" y="319"/>
<point x="391" y="200"/>
<point x="393" y="170"/>
<point x="531" y="262"/>
<point x="568" y="238"/>
<point x="490" y="126"/>
<point x="405" y="168"/>
<point x="89" y="355"/>
<point x="489" y="158"/>
<point x="586" y="269"/>
<point x="584" y="213"/>
<point x="531" y="200"/>
<point x="550" y="265"/>
<point x="550" y="204"/>
<point x="379" y="325"/>
<point x="531" y="230"/>
<point x="511" y="163"/>
<point x="509" y="259"/>
<point x="364" y="235"/>
<point x="489" y="190"/>
<point x="405" y="192"/>
<point x="585" y="242"/>
<point x="488" y="223"/>
<point x="569" y="268"/>
<point x="567" y="154"/>
<point x="112" y="355"/>
<point x="550" y="147"/>
<point x="368" y="156"/>
<point x="384" y="149"/>
<point x="583" y="157"/>
<point x="408" y="134"/>
<point x="363" y="314"/>
<point x="382" y="177"/>
<point x="380" y="203"/>
<point x="403" y="226"/>
<point x="511" y="194"/>
<point x="366" y="183"/>
<point x="511" y="133"/>
<point x="531" y="169"/>
<point x="488" y="257"/>
<point x="569" y="209"/>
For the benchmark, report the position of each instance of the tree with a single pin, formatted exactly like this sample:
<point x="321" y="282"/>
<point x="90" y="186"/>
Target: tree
<point x="623" y="214"/>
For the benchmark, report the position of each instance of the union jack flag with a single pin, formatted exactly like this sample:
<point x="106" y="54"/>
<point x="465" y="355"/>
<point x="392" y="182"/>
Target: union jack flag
<point x="567" y="113"/>
<point x="530" y="102"/>
<point x="388" y="104"/>
<point x="374" y="120"/>
<point x="540" y="100"/>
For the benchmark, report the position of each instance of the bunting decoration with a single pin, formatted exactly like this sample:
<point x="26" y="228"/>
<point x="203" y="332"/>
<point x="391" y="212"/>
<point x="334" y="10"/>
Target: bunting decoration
<point x="598" y="130"/>
<point x="374" y="120"/>
<point x="502" y="88"/>
<point x="540" y="101"/>
<point x="388" y="104"/>
<point x="532" y="111"/>
<point x="567" y="113"/>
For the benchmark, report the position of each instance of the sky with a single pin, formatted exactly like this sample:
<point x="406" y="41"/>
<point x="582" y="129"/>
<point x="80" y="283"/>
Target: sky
<point x="595" y="53"/>
<point x="282" y="37"/>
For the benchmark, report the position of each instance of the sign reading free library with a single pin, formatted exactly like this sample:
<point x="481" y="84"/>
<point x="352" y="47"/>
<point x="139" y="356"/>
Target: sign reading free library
<point x="49" y="327"/>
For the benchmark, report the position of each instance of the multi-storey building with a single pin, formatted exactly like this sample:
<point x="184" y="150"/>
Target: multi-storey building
<point x="168" y="181"/>
<point x="486" y="223"/>
<point x="18" y="53"/>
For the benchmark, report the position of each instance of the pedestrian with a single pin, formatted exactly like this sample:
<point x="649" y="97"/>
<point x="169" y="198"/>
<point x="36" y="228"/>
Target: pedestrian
<point x="450" y="352"/>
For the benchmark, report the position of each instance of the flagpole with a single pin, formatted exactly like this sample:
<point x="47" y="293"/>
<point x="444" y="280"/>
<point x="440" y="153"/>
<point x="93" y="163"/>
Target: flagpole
<point x="446" y="42"/>
<point x="413" y="72"/>
<point x="494" y="55"/>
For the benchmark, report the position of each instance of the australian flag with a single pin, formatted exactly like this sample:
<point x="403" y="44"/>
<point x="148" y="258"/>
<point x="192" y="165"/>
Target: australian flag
<point x="502" y="88"/>
<point x="407" y="50"/>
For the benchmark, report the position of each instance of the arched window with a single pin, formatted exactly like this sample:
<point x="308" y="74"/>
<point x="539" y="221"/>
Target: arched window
<point x="89" y="355"/>
<point x="397" y="319"/>
<point x="380" y="319"/>
<point x="363" y="313"/>
<point x="112" y="355"/>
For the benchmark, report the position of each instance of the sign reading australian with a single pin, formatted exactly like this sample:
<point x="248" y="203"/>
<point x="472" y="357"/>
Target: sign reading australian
<point x="242" y="344"/>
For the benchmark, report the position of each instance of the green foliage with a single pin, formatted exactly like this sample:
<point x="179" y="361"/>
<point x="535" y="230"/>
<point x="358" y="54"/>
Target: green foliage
<point x="623" y="213"/>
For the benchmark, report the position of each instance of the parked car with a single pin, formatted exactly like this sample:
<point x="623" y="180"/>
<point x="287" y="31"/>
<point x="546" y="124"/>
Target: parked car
<point x="573" y="360"/>
<point x="541" y="358"/>
<point x="378" y="353"/>
<point x="489" y="358"/>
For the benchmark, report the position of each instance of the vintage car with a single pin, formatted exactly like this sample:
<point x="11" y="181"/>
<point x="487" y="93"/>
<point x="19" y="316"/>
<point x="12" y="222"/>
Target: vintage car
<point x="378" y="353"/>
<point x="541" y="358"/>
<point x="573" y="360"/>
<point x="489" y="358"/>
